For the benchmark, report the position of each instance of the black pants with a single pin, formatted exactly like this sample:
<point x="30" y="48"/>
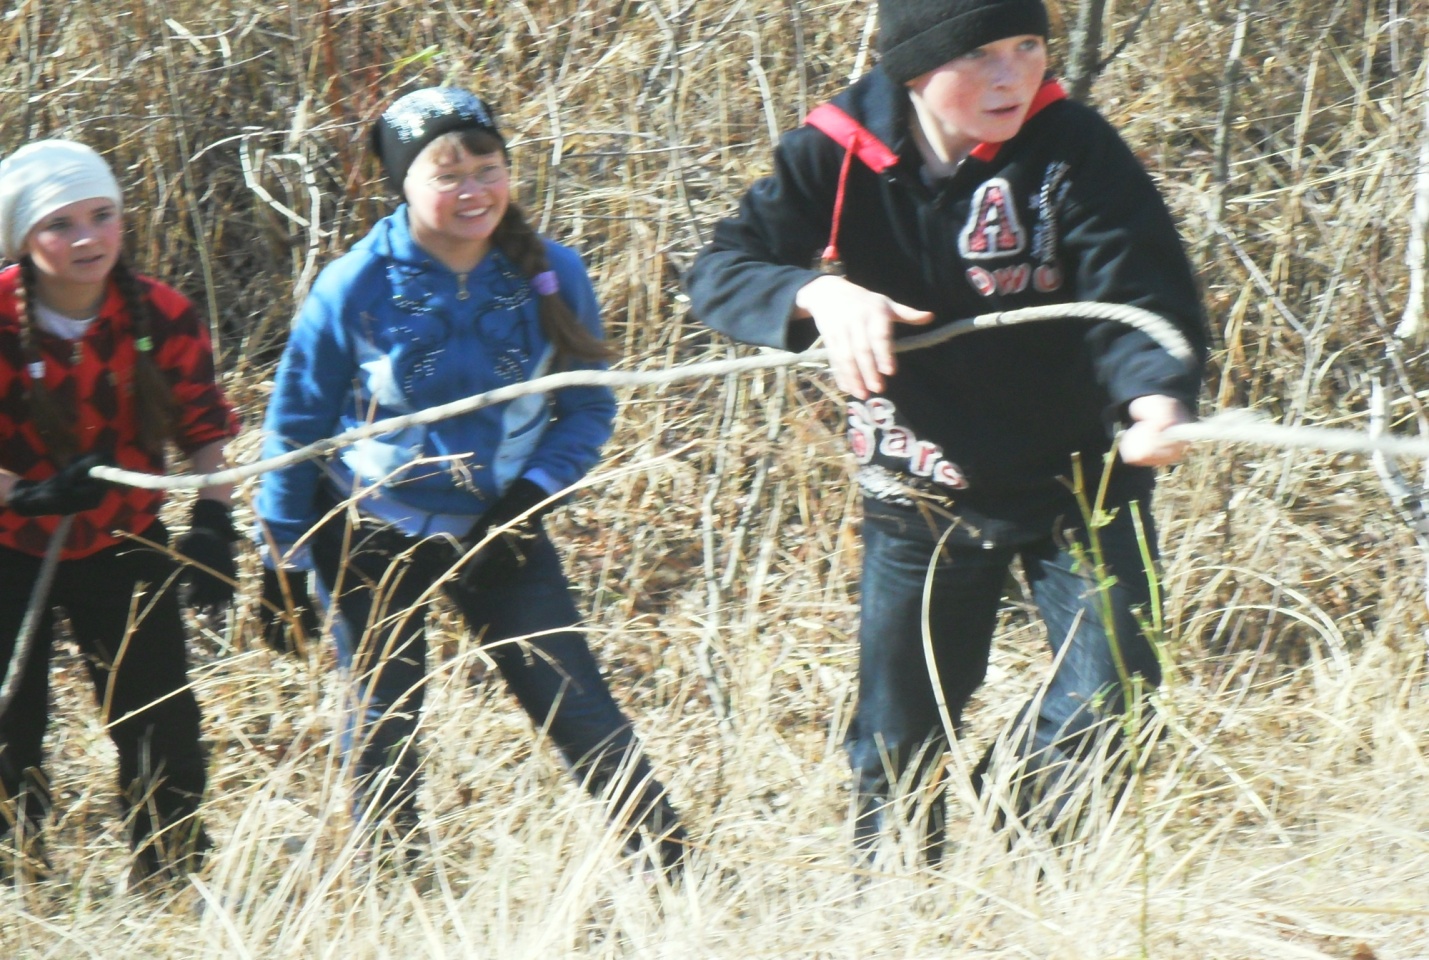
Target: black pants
<point x="124" y="612"/>
<point x="379" y="578"/>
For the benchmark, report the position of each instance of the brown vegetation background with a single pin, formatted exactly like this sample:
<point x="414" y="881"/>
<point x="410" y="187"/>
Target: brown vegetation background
<point x="1283" y="814"/>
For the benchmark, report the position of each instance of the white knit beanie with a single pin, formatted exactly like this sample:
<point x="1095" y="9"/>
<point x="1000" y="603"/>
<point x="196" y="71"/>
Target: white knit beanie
<point x="43" y="176"/>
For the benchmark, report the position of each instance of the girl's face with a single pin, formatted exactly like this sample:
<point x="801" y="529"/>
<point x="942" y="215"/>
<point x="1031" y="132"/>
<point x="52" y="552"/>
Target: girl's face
<point x="75" y="247"/>
<point x="455" y="199"/>
<point x="982" y="96"/>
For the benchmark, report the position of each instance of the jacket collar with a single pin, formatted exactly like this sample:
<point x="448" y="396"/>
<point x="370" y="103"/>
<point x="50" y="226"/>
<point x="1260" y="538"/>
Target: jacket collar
<point x="881" y="107"/>
<point x="391" y="239"/>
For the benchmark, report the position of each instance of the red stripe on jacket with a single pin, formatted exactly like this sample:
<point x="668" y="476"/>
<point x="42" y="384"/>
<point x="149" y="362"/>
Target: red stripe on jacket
<point x="858" y="141"/>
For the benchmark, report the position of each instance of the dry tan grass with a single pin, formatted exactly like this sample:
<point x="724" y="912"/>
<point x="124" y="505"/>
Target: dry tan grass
<point x="1283" y="814"/>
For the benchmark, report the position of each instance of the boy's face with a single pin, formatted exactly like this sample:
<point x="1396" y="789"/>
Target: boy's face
<point x="455" y="199"/>
<point x="982" y="96"/>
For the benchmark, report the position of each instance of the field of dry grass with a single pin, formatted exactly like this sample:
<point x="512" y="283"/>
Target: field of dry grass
<point x="1283" y="814"/>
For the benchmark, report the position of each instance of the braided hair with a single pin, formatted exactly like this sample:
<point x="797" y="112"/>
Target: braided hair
<point x="156" y="412"/>
<point x="522" y="245"/>
<point x="48" y="414"/>
<point x="155" y="407"/>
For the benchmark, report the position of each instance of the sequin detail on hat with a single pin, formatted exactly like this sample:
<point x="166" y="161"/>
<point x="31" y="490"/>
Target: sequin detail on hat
<point x="409" y="116"/>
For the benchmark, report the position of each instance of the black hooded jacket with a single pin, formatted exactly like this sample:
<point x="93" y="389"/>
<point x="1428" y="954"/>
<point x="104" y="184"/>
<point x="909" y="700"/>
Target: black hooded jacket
<point x="1062" y="212"/>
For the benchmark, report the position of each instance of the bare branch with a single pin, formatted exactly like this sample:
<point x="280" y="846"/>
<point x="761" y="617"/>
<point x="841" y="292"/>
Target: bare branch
<point x="1086" y="49"/>
<point x="1230" y="81"/>
<point x="1418" y="252"/>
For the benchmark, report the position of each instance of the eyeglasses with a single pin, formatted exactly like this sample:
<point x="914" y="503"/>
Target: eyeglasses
<point x="485" y="177"/>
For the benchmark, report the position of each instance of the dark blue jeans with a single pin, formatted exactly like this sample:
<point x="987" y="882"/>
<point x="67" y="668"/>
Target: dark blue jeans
<point x="897" y="731"/>
<point x="378" y="577"/>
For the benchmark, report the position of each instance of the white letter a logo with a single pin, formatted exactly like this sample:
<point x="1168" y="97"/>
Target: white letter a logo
<point x="992" y="229"/>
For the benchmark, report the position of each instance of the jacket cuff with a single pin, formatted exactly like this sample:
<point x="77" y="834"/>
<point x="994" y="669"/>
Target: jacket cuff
<point x="543" y="480"/>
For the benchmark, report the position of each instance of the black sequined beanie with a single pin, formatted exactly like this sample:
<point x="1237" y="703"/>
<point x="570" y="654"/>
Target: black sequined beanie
<point x="421" y="116"/>
<point x="915" y="36"/>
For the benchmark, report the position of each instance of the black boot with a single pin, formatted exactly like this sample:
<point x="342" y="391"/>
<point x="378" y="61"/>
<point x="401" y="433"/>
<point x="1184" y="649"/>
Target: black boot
<point x="22" y="848"/>
<point x="871" y="809"/>
<point x="659" y="836"/>
<point x="168" y="856"/>
<point x="166" y="834"/>
<point x="868" y="814"/>
<point x="638" y="805"/>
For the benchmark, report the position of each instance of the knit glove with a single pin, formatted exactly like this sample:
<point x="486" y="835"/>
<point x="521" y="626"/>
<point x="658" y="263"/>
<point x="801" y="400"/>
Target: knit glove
<point x="207" y="552"/>
<point x="503" y="554"/>
<point x="72" y="490"/>
<point x="275" y="613"/>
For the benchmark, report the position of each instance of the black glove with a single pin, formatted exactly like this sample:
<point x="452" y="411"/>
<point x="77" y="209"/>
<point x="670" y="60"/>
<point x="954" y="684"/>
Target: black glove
<point x="72" y="490"/>
<point x="503" y="555"/>
<point x="207" y="551"/>
<point x="273" y="612"/>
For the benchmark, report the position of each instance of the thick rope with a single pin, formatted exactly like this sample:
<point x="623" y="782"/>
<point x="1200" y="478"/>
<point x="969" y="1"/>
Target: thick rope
<point x="1236" y="426"/>
<point x="1246" y="426"/>
<point x="1153" y="325"/>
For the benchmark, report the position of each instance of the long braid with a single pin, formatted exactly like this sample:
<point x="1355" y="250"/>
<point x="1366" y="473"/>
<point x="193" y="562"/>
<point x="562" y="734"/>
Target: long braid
<point x="46" y="411"/>
<point x="570" y="338"/>
<point x="157" y="413"/>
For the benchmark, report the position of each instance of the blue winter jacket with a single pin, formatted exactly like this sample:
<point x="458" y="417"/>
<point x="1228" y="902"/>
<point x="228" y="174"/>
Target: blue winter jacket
<point x="388" y="330"/>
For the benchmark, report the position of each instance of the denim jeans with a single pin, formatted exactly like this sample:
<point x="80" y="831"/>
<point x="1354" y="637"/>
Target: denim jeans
<point x="897" y="731"/>
<point x="379" y="577"/>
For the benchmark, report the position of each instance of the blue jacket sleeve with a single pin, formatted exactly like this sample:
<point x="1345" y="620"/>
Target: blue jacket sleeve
<point x="582" y="417"/>
<point x="314" y="380"/>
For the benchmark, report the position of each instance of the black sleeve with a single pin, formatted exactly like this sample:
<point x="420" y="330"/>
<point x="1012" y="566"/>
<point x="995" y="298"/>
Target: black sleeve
<point x="744" y="281"/>
<point x="1122" y="246"/>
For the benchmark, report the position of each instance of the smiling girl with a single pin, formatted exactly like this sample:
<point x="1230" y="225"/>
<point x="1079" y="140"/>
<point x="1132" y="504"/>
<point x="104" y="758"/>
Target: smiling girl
<point x="451" y="295"/>
<point x="101" y="365"/>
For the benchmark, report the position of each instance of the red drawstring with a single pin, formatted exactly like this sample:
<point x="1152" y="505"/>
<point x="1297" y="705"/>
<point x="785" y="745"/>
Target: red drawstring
<point x="850" y="134"/>
<point x="831" y="252"/>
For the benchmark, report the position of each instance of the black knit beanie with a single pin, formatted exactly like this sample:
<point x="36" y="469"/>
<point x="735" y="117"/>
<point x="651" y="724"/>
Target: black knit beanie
<point x="915" y="36"/>
<point x="421" y="116"/>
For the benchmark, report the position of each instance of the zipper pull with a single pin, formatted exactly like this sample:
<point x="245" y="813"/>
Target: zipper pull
<point x="461" y="293"/>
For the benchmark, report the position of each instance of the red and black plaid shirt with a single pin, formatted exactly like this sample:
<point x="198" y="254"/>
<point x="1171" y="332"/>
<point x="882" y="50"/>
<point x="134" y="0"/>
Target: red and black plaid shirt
<point x="94" y="377"/>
